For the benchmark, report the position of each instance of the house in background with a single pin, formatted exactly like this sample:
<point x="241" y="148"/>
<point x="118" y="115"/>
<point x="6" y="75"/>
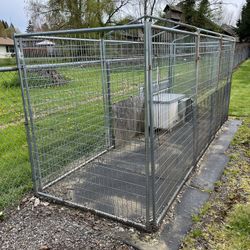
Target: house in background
<point x="230" y="30"/>
<point x="174" y="13"/>
<point x="6" y="47"/>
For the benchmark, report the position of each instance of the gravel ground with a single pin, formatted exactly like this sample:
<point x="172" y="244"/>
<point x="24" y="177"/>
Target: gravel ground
<point x="40" y="225"/>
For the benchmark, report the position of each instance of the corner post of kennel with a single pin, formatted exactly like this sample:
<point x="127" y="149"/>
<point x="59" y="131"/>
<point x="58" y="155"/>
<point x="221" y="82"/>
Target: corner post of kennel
<point x="229" y="83"/>
<point x="106" y="92"/>
<point x="149" y="128"/>
<point x="196" y="96"/>
<point x="28" y="116"/>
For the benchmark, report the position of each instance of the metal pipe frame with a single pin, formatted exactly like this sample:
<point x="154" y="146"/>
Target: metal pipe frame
<point x="128" y="222"/>
<point x="147" y="122"/>
<point x="195" y="123"/>
<point x="58" y="65"/>
<point x="186" y="25"/>
<point x="172" y="30"/>
<point x="8" y="69"/>
<point x="73" y="170"/>
<point x="151" y="122"/>
<point x="152" y="219"/>
<point x="84" y="30"/>
<point x="84" y="39"/>
<point x="106" y="94"/>
<point x="36" y="175"/>
<point x="26" y="119"/>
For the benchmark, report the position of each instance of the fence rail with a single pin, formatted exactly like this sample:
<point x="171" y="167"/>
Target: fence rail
<point x="177" y="70"/>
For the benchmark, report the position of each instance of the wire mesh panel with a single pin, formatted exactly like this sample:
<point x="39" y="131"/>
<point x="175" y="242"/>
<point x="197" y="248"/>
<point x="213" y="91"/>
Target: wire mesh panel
<point x="85" y="104"/>
<point x="117" y="117"/>
<point x="175" y="86"/>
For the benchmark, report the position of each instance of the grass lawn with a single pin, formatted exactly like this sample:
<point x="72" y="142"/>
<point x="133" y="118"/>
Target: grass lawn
<point x="224" y="221"/>
<point x="6" y="62"/>
<point x="15" y="177"/>
<point x="240" y="93"/>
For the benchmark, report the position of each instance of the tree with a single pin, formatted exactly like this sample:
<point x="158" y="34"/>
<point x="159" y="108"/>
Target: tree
<point x="6" y="30"/>
<point x="30" y="27"/>
<point x="243" y="23"/>
<point x="189" y="12"/>
<point x="59" y="14"/>
<point x="2" y="29"/>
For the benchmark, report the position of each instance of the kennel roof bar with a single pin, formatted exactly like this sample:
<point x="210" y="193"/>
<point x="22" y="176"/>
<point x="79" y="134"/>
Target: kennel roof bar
<point x="188" y="26"/>
<point x="192" y="33"/>
<point x="230" y="38"/>
<point x="173" y="30"/>
<point x="84" y="30"/>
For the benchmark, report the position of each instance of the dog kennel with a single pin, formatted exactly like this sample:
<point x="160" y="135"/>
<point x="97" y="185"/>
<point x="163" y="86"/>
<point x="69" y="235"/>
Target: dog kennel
<point x="118" y="116"/>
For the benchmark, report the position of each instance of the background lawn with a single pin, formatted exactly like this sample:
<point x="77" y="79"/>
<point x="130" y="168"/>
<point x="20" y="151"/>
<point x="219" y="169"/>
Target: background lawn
<point x="240" y="93"/>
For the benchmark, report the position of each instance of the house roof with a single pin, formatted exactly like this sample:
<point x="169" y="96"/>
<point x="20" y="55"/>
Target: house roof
<point x="172" y="7"/>
<point x="6" y="41"/>
<point x="230" y="30"/>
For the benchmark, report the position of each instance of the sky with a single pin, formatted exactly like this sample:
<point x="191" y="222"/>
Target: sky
<point x="233" y="10"/>
<point x="14" y="11"/>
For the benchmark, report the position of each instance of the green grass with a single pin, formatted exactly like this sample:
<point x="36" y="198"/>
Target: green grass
<point x="4" y="62"/>
<point x="15" y="169"/>
<point x="240" y="93"/>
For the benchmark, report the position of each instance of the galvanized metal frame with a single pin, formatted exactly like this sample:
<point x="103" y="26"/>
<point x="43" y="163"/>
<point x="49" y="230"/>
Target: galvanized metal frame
<point x="153" y="219"/>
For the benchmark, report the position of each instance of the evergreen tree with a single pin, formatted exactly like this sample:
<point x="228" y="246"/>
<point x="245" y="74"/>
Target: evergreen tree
<point x="6" y="30"/>
<point x="188" y="8"/>
<point x="243" y="24"/>
<point x="2" y="29"/>
<point x="30" y="27"/>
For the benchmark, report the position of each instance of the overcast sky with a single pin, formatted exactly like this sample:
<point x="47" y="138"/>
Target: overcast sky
<point x="14" y="11"/>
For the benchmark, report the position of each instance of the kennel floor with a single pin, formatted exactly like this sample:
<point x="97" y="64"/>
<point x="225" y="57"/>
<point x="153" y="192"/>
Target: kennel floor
<point x="115" y="182"/>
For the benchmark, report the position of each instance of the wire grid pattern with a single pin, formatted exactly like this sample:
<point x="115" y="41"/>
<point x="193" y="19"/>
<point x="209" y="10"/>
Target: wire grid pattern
<point x="117" y="119"/>
<point x="70" y="97"/>
<point x="174" y="73"/>
<point x="242" y="52"/>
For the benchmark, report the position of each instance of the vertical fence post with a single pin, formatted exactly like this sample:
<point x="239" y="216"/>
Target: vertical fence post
<point x="105" y="67"/>
<point x="230" y="79"/>
<point x="217" y="96"/>
<point x="171" y="62"/>
<point x="28" y="114"/>
<point x="149" y="128"/>
<point x="195" y="110"/>
<point x="111" y="139"/>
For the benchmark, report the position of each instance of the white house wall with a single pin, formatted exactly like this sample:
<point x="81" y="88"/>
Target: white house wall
<point x="3" y="52"/>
